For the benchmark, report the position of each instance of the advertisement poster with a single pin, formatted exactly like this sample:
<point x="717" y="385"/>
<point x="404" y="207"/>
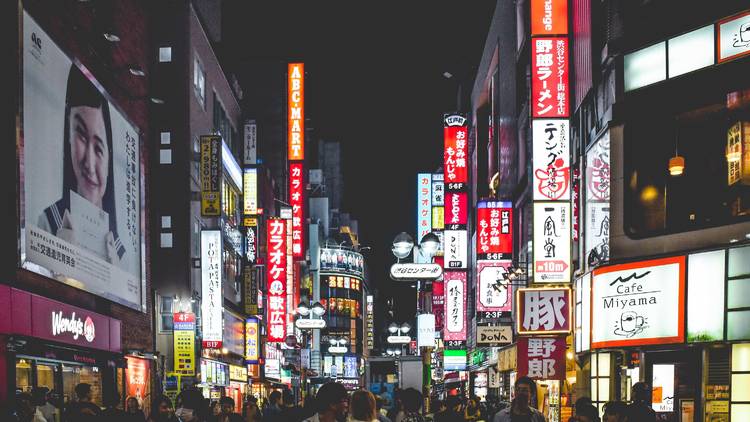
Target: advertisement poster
<point x="81" y="212"/>
<point x="184" y="343"/>
<point x="210" y="173"/>
<point x="551" y="140"/>
<point x="552" y="242"/>
<point x="544" y="311"/>
<point x="549" y="77"/>
<point x="138" y="380"/>
<point x="639" y="303"/>
<point x="494" y="291"/>
<point x="341" y="261"/>
<point x="212" y="305"/>
<point x="455" y="306"/>
<point x="541" y="358"/>
<point x="494" y="230"/>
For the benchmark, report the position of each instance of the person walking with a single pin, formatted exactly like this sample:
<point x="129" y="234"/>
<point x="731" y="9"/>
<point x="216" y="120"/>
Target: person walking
<point x="412" y="400"/>
<point x="640" y="409"/>
<point x="587" y="413"/>
<point x="47" y="409"/>
<point x="82" y="409"/>
<point x="519" y="409"/>
<point x="451" y="411"/>
<point x="162" y="411"/>
<point x="616" y="411"/>
<point x="473" y="411"/>
<point x="363" y="407"/>
<point x="133" y="410"/>
<point x="333" y="403"/>
<point x="226" y="411"/>
<point x="272" y="412"/>
<point x="252" y="411"/>
<point x="189" y="406"/>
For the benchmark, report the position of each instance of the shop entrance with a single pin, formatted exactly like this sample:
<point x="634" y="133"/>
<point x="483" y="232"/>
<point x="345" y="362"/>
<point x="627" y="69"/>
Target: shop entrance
<point x="675" y="379"/>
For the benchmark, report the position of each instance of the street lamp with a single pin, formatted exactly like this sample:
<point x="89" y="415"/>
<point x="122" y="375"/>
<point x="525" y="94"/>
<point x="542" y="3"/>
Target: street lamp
<point x="338" y="345"/>
<point x="430" y="244"/>
<point x="402" y="245"/>
<point x="315" y="312"/>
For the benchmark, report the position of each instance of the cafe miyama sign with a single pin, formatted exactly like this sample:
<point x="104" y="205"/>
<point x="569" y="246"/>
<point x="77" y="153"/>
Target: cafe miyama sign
<point x="639" y="303"/>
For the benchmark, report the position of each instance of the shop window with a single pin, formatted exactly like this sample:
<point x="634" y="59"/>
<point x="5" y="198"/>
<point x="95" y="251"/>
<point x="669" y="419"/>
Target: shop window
<point x="24" y="381"/>
<point x="73" y="375"/>
<point x="738" y="325"/>
<point x="165" y="313"/>
<point x="600" y="379"/>
<point x="740" y="398"/>
<point x="706" y="296"/>
<point x="739" y="262"/>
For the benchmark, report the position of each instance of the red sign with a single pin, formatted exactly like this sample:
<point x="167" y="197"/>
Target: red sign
<point x="296" y="111"/>
<point x="438" y="303"/>
<point x="276" y="289"/>
<point x="549" y="75"/>
<point x="494" y="229"/>
<point x="456" y="208"/>
<point x="541" y="358"/>
<point x="297" y="200"/>
<point x="549" y="17"/>
<point x="543" y="311"/>
<point x="138" y="380"/>
<point x="456" y="141"/>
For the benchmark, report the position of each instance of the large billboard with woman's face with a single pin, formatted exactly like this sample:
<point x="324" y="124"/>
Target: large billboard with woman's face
<point x="80" y="170"/>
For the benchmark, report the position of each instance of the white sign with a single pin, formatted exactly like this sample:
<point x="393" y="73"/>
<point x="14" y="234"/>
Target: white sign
<point x="426" y="330"/>
<point x="337" y="349"/>
<point x="662" y="399"/>
<point x="438" y="190"/>
<point x="551" y="160"/>
<point x="73" y="325"/>
<point x="211" y="293"/>
<point x="596" y="219"/>
<point x="455" y="306"/>
<point x="734" y="37"/>
<point x="494" y="335"/>
<point x="493" y="377"/>
<point x="638" y="304"/>
<point x="410" y="271"/>
<point x="251" y="142"/>
<point x="250" y="191"/>
<point x="398" y="339"/>
<point x="552" y="242"/>
<point x="308" y="324"/>
<point x="494" y="289"/>
<point x="455" y="249"/>
<point x="597" y="232"/>
<point x="272" y="368"/>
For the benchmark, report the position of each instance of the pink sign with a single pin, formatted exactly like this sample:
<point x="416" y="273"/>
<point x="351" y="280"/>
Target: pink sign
<point x="541" y="358"/>
<point x="454" y="324"/>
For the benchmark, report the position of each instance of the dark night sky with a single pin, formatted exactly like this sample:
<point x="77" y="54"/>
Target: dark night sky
<point x="375" y="83"/>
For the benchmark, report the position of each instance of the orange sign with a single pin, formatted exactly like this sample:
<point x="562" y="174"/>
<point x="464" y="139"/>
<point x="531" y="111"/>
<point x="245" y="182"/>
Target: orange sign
<point x="549" y="17"/>
<point x="296" y="111"/>
<point x="138" y="380"/>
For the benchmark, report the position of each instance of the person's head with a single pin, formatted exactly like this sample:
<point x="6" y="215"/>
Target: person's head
<point x="132" y="405"/>
<point x="39" y="395"/>
<point x="162" y="408"/>
<point x="641" y="392"/>
<point x="287" y="398"/>
<point x="615" y="411"/>
<point x="227" y="405"/>
<point x="525" y="388"/>
<point x="189" y="403"/>
<point x="332" y="398"/>
<point x="83" y="391"/>
<point x="215" y="408"/>
<point x="25" y="406"/>
<point x="412" y="400"/>
<point x="275" y="397"/>
<point x="453" y="403"/>
<point x="363" y="406"/>
<point x="88" y="142"/>
<point x="587" y="413"/>
<point x="581" y="402"/>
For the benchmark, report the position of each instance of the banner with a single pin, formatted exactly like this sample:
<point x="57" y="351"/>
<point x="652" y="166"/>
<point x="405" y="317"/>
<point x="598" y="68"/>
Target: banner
<point x="296" y="111"/>
<point x="210" y="174"/>
<point x="184" y="343"/>
<point x="276" y="279"/>
<point x="455" y="305"/>
<point x="80" y="203"/>
<point x="552" y="242"/>
<point x="541" y="358"/>
<point x="212" y="303"/>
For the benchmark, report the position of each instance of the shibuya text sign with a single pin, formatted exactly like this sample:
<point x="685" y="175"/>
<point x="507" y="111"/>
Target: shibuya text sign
<point x="409" y="271"/>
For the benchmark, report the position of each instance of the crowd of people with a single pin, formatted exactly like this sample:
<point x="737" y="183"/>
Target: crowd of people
<point x="332" y="403"/>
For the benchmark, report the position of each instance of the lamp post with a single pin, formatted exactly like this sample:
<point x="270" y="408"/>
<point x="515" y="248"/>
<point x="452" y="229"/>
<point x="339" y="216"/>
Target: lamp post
<point x="310" y="318"/>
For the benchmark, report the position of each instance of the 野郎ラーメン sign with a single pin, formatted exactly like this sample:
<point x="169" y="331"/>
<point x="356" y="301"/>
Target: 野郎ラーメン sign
<point x="212" y="305"/>
<point x="455" y="152"/>
<point x="552" y="242"/>
<point x="297" y="200"/>
<point x="549" y="77"/>
<point x="549" y="17"/>
<point x="541" y="358"/>
<point x="424" y="204"/>
<point x="551" y="160"/>
<point x="734" y="37"/>
<point x="296" y="111"/>
<point x="277" y="268"/>
<point x="454" y="326"/>
<point x="544" y="311"/>
<point x="493" y="290"/>
<point x="638" y="304"/>
<point x="494" y="230"/>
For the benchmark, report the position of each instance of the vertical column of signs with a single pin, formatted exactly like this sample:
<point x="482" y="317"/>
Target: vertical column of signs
<point x="295" y="157"/>
<point x="424" y="205"/>
<point x="276" y="278"/>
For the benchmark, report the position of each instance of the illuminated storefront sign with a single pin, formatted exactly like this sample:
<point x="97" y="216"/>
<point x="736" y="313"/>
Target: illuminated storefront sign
<point x="454" y="360"/>
<point x="551" y="159"/>
<point x="541" y="358"/>
<point x="549" y="74"/>
<point x="438" y="190"/>
<point x="276" y="278"/>
<point x="237" y="373"/>
<point x="544" y="311"/>
<point x="596" y="224"/>
<point x="425" y="330"/>
<point x="250" y="192"/>
<point x="493" y="290"/>
<point x="213" y="372"/>
<point x="210" y="175"/>
<point x="297" y="200"/>
<point x="341" y="261"/>
<point x="455" y="249"/>
<point x="493" y="336"/>
<point x="455" y="305"/>
<point x="438" y="303"/>
<point x="343" y="282"/>
<point x="456" y="141"/>
<point x="296" y="111"/>
<point x="734" y="37"/>
<point x="494" y="230"/>
<point x="252" y="340"/>
<point x="370" y="322"/>
<point x="424" y="204"/>
<point x="438" y="218"/>
<point x="184" y="343"/>
<point x="456" y="209"/>
<point x="551" y="242"/>
<point x="549" y="17"/>
<point x="638" y="304"/>
<point x="212" y="293"/>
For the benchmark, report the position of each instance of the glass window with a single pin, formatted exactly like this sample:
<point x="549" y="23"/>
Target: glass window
<point x="165" y="54"/>
<point x="24" y="381"/>
<point x="738" y="325"/>
<point x="741" y="357"/>
<point x="45" y="376"/>
<point x="739" y="261"/>
<point x="739" y="293"/>
<point x="706" y="296"/>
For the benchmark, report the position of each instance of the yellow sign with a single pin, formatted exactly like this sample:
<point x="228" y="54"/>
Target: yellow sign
<point x="237" y="373"/>
<point x="250" y="191"/>
<point x="250" y="221"/>
<point x="210" y="175"/>
<point x="184" y="343"/>
<point x="438" y="218"/>
<point x="506" y="359"/>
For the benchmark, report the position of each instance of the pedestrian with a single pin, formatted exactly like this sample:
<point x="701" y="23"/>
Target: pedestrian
<point x="189" y="403"/>
<point x="226" y="411"/>
<point x="587" y="413"/>
<point x="412" y="400"/>
<point x="47" y="409"/>
<point x="82" y="409"/>
<point x="640" y="409"/>
<point x="379" y="401"/>
<point x="252" y="411"/>
<point x="113" y="411"/>
<point x="451" y="411"/>
<point x="133" y="410"/>
<point x="473" y="411"/>
<point x="616" y="411"/>
<point x="363" y="407"/>
<point x="580" y="403"/>
<point x="289" y="410"/>
<point x="519" y="409"/>
<point x="23" y="409"/>
<point x="333" y="403"/>
<point x="272" y="412"/>
<point x="162" y="411"/>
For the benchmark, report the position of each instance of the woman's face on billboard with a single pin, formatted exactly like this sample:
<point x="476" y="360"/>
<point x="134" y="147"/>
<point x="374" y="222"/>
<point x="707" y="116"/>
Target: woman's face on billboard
<point x="89" y="152"/>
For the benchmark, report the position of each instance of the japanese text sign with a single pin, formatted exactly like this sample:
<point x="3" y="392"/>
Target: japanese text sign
<point x="297" y="201"/>
<point x="552" y="242"/>
<point x="424" y="204"/>
<point x="210" y="175"/>
<point x="184" y="343"/>
<point x="549" y="75"/>
<point x="456" y="254"/>
<point x="551" y="160"/>
<point x="296" y="111"/>
<point x="494" y="230"/>
<point x="454" y="327"/>
<point x="493" y="336"/>
<point x="541" y="358"/>
<point x="597" y="170"/>
<point x="638" y="304"/>
<point x="438" y="303"/>
<point x="250" y="191"/>
<point x="212" y="302"/>
<point x="438" y="190"/>
<point x="596" y="223"/>
<point x="456" y="209"/>
<point x="734" y="37"/>
<point x="549" y="17"/>
<point x="543" y="311"/>
<point x="252" y="340"/>
<point x="455" y="152"/>
<point x="277" y="267"/>
<point x="493" y="290"/>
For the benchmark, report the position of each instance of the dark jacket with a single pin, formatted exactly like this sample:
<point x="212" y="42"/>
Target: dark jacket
<point x="641" y="412"/>
<point x="448" y="416"/>
<point x="82" y="412"/>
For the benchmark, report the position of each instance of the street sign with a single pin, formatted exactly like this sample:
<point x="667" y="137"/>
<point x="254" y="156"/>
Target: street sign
<point x="337" y="349"/>
<point x="399" y="339"/>
<point x="309" y="324"/>
<point x="410" y="271"/>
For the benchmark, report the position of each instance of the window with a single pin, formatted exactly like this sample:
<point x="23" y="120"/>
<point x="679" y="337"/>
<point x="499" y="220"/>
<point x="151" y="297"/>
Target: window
<point x="166" y="138"/>
<point x="165" y="312"/>
<point x="165" y="240"/>
<point x="222" y="123"/>
<point x="166" y="221"/>
<point x="165" y="54"/>
<point x="740" y="382"/>
<point x="199" y="82"/>
<point x="165" y="156"/>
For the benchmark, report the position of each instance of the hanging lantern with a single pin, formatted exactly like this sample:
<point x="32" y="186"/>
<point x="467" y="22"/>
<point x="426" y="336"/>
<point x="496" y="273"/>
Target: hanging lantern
<point x="676" y="165"/>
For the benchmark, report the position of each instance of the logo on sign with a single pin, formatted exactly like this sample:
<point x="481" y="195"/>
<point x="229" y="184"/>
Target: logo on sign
<point x="74" y="326"/>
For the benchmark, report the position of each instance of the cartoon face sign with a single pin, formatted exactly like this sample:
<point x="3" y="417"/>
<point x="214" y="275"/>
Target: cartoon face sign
<point x="89" y="331"/>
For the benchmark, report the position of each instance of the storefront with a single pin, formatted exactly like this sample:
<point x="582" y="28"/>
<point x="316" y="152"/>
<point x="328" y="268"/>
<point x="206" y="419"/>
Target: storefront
<point x="237" y="388"/>
<point x="214" y="378"/>
<point x="50" y="344"/>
